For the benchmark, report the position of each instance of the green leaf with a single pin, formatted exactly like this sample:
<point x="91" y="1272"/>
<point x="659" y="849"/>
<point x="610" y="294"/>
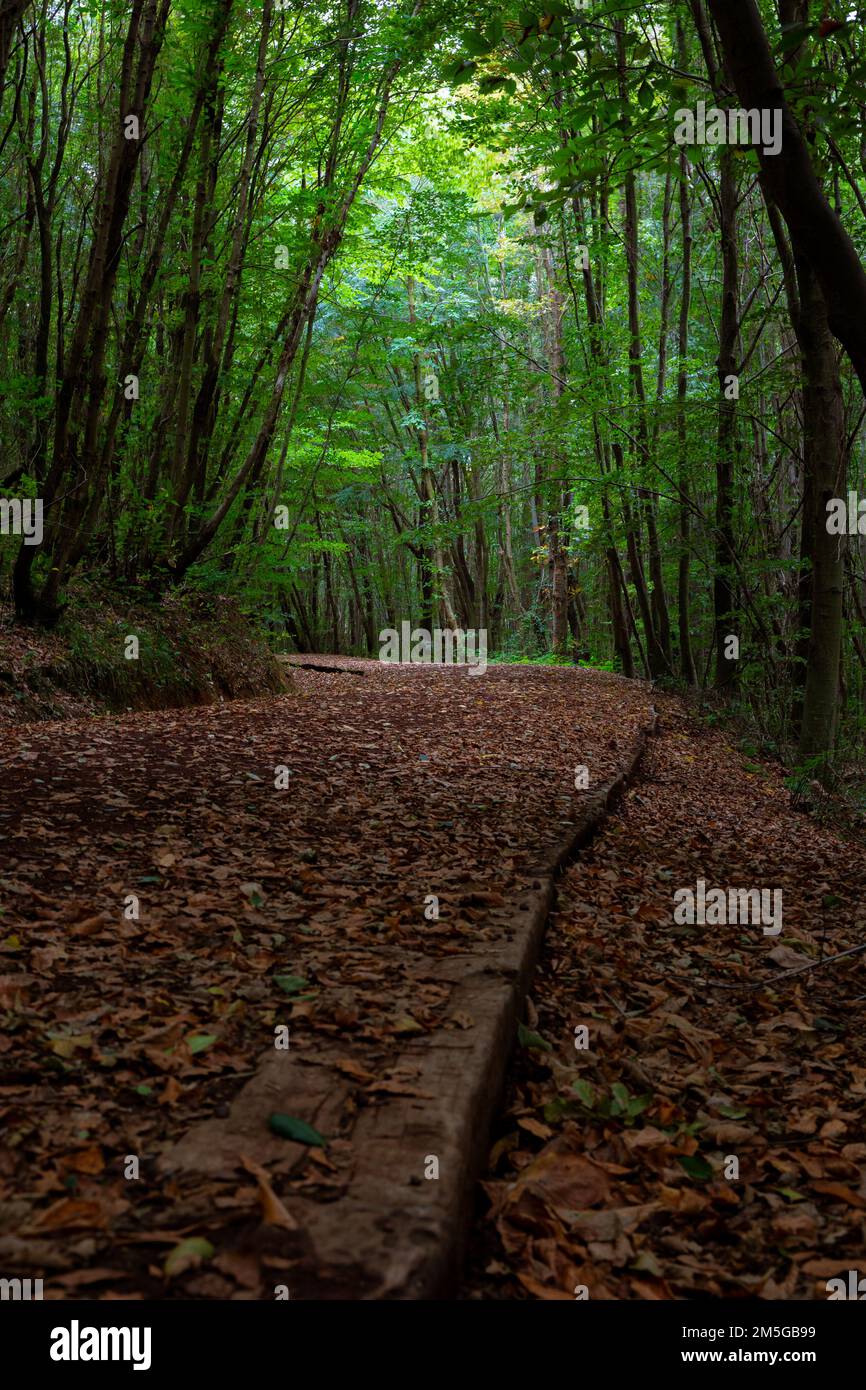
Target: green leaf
<point x="695" y="1166"/>
<point x="188" y="1252"/>
<point x="620" y="1096"/>
<point x="476" y="43"/>
<point x="461" y="73"/>
<point x="290" y="984"/>
<point x="494" y="83"/>
<point x="556" y="1110"/>
<point x="637" y="1104"/>
<point x="585" y="1091"/>
<point x="287" y="1127"/>
<point x="733" y="1112"/>
<point x="197" y="1042"/>
<point x="527" y="1038"/>
<point x="793" y="35"/>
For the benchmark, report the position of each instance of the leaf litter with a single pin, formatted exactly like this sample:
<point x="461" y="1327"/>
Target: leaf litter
<point x="608" y="1168"/>
<point x="257" y="908"/>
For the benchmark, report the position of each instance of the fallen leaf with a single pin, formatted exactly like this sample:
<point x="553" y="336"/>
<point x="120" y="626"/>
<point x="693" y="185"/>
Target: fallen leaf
<point x="289" y="1128"/>
<point x="188" y="1254"/>
<point x="273" y="1211"/>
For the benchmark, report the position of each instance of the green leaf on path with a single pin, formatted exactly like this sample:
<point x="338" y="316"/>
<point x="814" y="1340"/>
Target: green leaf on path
<point x="287" y="1127"/>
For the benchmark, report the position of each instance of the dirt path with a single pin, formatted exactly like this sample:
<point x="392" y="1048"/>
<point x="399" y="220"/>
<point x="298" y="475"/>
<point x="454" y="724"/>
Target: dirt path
<point x="706" y="1135"/>
<point x="199" y="907"/>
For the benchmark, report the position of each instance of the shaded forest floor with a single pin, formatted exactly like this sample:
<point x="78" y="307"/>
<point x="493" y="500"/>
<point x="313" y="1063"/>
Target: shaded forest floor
<point x="281" y="853"/>
<point x="608" y="1163"/>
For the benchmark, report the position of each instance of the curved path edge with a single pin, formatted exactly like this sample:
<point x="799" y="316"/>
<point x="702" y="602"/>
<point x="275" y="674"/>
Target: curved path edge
<point x="394" y="1234"/>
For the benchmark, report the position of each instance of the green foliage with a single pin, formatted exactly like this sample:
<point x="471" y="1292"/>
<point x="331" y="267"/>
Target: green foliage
<point x="381" y="281"/>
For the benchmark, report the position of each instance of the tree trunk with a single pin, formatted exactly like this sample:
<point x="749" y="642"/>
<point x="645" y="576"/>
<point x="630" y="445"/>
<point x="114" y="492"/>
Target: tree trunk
<point x="726" y="364"/>
<point x="824" y="457"/>
<point x="817" y="233"/>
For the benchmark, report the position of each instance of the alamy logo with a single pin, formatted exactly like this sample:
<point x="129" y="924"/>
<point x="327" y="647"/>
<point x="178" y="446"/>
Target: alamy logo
<point x="715" y="907"/>
<point x="20" y="1290"/>
<point x="854" y="1289"/>
<point x="712" y="126"/>
<point x="77" y="1343"/>
<point x="847" y="520"/>
<point x="449" y="645"/>
<point x="22" y="517"/>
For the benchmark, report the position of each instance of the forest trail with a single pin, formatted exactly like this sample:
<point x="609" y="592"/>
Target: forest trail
<point x="184" y="889"/>
<point x="215" y="914"/>
<point x="611" y="1165"/>
<point x="433" y="331"/>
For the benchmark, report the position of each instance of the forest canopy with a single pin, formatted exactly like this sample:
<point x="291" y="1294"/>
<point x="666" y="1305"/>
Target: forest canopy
<point x="549" y="323"/>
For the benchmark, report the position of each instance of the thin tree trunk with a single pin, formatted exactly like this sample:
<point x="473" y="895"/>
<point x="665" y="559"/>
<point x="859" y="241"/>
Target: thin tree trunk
<point x="726" y="443"/>
<point x="687" y="661"/>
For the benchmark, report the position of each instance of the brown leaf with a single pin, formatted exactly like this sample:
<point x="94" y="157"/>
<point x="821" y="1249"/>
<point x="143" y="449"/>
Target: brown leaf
<point x="544" y="1291"/>
<point x="566" y="1182"/>
<point x="838" y="1189"/>
<point x="349" y="1067"/>
<point x="69" y="1213"/>
<point x="86" y="1160"/>
<point x="273" y="1211"/>
<point x="535" y="1127"/>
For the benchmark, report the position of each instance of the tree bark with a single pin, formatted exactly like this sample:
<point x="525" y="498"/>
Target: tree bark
<point x="817" y="234"/>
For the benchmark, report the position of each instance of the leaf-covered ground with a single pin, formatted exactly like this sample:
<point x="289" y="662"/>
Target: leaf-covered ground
<point x="258" y="905"/>
<point x="705" y="1043"/>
